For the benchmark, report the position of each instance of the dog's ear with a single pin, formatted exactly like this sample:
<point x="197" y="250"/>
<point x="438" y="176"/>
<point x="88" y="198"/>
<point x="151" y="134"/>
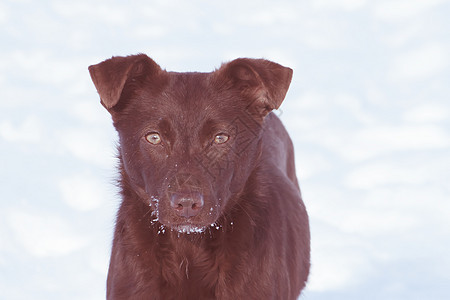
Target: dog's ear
<point x="262" y="82"/>
<point x="110" y="76"/>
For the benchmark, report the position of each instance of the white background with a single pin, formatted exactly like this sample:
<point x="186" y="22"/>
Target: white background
<point x="368" y="110"/>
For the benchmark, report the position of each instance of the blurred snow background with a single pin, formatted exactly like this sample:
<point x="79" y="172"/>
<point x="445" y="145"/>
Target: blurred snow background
<point x="368" y="110"/>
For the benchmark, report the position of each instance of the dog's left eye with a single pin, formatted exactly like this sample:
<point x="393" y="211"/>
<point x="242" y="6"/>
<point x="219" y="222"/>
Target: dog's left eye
<point x="153" y="138"/>
<point x="221" y="138"/>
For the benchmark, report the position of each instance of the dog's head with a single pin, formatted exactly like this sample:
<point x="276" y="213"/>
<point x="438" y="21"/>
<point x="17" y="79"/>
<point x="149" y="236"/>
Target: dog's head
<point x="189" y="141"/>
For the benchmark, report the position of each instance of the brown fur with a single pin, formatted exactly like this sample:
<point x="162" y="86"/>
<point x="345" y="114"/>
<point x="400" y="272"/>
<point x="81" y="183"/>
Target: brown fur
<point x="247" y="233"/>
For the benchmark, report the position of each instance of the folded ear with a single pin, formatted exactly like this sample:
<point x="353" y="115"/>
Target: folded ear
<point x="110" y="76"/>
<point x="261" y="82"/>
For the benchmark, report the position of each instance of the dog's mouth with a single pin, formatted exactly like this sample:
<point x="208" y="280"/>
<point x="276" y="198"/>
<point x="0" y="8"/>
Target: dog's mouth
<point x="189" y="228"/>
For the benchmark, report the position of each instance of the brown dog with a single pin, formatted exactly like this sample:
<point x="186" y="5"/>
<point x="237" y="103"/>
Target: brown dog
<point x="211" y="205"/>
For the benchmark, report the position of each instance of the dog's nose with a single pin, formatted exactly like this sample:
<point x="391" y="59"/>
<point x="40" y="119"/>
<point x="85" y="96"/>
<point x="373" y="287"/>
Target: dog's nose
<point x="187" y="204"/>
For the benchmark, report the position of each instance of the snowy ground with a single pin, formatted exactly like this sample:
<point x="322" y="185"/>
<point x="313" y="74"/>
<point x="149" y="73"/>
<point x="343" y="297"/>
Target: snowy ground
<point x="368" y="110"/>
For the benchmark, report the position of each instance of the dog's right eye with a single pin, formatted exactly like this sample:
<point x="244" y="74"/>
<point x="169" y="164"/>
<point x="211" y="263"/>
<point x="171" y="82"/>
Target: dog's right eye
<point x="153" y="138"/>
<point x="221" y="138"/>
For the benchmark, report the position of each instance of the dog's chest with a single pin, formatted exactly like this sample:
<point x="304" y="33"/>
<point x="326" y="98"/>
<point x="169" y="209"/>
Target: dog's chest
<point x="194" y="272"/>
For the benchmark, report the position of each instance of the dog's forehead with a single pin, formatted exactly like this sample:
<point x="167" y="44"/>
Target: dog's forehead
<point x="191" y="96"/>
<point x="186" y="103"/>
<point x="186" y="88"/>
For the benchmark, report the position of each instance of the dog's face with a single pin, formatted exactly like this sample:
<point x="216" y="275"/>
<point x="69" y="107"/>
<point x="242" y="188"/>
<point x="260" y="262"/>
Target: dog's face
<point x="189" y="141"/>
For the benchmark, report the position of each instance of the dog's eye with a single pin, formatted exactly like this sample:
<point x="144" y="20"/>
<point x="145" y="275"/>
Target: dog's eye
<point x="221" y="138"/>
<point x="153" y="138"/>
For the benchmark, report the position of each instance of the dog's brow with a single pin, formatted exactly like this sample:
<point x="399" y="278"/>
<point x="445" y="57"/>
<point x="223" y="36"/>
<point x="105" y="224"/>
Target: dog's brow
<point x="164" y="125"/>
